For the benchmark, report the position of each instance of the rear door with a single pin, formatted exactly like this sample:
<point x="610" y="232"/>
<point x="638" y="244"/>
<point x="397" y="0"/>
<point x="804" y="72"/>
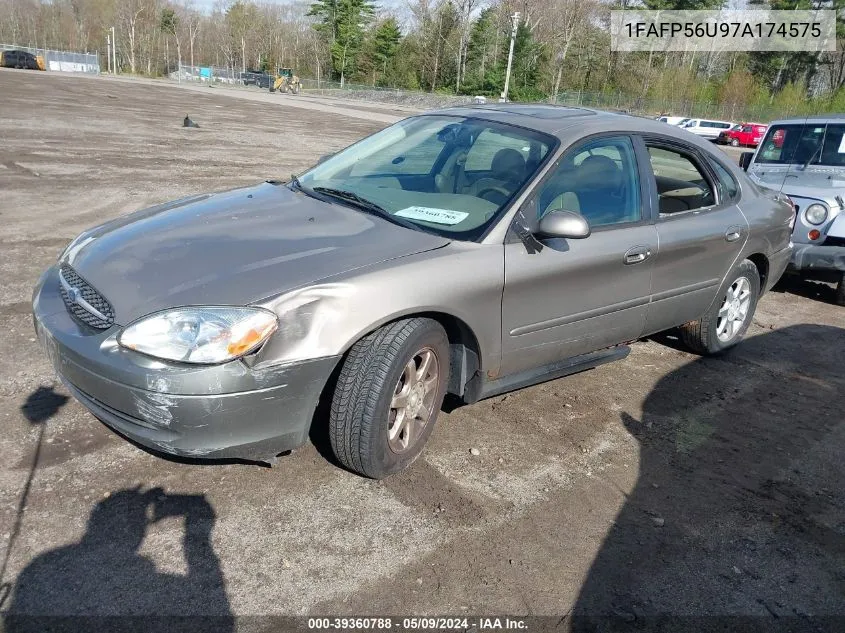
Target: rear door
<point x="700" y="228"/>
<point x="574" y="296"/>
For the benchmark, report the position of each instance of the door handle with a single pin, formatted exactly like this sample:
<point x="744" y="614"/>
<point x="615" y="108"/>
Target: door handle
<point x="733" y="233"/>
<point x="637" y="254"/>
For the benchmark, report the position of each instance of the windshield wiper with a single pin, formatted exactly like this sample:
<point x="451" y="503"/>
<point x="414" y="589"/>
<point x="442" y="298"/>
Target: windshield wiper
<point x="365" y="205"/>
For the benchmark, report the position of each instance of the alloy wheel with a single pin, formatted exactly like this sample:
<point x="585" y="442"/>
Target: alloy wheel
<point x="734" y="310"/>
<point x="414" y="397"/>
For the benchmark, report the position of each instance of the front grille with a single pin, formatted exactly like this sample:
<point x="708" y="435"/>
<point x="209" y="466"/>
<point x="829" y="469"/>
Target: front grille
<point x="85" y="294"/>
<point x="834" y="241"/>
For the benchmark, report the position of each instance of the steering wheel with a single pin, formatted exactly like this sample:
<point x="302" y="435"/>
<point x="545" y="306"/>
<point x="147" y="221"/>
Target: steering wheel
<point x="501" y="191"/>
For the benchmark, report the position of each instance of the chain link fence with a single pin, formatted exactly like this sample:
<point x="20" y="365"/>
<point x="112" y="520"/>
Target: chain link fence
<point x="227" y="76"/>
<point x="61" y="61"/>
<point x="616" y="101"/>
<point x="208" y="74"/>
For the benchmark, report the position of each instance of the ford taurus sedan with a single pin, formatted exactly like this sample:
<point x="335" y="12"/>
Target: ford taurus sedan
<point x="469" y="252"/>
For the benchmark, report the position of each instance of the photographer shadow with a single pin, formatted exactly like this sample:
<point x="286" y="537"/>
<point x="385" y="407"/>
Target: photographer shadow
<point x="735" y="522"/>
<point x="104" y="583"/>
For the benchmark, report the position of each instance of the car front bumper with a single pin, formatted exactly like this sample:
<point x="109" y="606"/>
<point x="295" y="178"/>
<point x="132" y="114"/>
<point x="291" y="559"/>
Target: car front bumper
<point x="812" y="259"/>
<point x="203" y="411"/>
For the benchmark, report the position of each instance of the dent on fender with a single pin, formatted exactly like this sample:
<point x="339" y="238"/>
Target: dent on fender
<point x="311" y="325"/>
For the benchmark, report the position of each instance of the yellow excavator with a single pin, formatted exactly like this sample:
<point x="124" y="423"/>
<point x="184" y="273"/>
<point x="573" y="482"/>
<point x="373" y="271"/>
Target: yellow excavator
<point x="286" y="81"/>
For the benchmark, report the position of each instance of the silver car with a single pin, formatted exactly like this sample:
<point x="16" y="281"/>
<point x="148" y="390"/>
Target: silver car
<point x="469" y="252"/>
<point x="805" y="158"/>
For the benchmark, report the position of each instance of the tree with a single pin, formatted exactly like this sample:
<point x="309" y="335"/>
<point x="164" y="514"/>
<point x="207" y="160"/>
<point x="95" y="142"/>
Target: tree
<point x="129" y="14"/>
<point x="240" y="19"/>
<point x="385" y="43"/>
<point x="343" y="23"/>
<point x="169" y="25"/>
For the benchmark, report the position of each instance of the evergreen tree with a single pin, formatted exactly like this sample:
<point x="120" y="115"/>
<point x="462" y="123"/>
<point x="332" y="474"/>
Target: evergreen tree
<point x="343" y="24"/>
<point x="385" y="44"/>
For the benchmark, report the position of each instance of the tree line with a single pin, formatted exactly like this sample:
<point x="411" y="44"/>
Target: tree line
<point x="450" y="46"/>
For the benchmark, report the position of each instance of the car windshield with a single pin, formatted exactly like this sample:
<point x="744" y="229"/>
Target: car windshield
<point x="443" y="174"/>
<point x="804" y="144"/>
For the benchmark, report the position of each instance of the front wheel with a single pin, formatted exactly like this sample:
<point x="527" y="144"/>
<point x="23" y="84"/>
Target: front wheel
<point x="728" y="318"/>
<point x="388" y="394"/>
<point x="734" y="142"/>
<point x="840" y="291"/>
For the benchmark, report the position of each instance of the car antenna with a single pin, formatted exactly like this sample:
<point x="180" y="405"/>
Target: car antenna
<point x="788" y="165"/>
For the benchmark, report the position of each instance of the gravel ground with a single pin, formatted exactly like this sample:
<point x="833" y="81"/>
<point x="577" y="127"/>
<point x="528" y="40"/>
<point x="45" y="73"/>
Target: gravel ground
<point x="665" y="486"/>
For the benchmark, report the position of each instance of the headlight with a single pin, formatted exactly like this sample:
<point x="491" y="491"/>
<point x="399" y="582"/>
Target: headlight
<point x="200" y="335"/>
<point x="816" y="214"/>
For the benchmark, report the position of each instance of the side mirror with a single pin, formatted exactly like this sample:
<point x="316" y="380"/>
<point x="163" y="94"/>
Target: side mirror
<point x="745" y="159"/>
<point x="565" y="224"/>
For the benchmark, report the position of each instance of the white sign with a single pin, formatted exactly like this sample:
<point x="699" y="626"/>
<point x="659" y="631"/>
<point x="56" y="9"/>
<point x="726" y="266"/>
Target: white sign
<point x="72" y="67"/>
<point x="436" y="216"/>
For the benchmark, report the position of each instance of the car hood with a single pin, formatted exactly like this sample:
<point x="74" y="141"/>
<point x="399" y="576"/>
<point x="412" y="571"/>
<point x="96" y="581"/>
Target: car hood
<point x="837" y="227"/>
<point x="232" y="248"/>
<point x="822" y="185"/>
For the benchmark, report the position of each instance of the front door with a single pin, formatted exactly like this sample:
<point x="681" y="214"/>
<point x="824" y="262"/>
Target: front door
<point x="577" y="295"/>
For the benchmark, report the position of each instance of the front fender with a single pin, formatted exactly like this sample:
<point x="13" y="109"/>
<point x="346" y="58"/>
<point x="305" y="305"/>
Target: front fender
<point x="462" y="280"/>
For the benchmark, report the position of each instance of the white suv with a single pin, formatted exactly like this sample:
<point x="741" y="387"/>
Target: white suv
<point x="805" y="159"/>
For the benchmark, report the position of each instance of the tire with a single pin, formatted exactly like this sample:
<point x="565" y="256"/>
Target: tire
<point x="840" y="291"/>
<point x="734" y="142"/>
<point x="707" y="335"/>
<point x="375" y="368"/>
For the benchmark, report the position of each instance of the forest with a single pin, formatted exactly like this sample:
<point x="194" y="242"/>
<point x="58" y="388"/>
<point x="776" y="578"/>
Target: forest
<point x="562" y="47"/>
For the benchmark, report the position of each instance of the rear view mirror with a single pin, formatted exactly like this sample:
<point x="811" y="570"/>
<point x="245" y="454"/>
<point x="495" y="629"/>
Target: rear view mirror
<point x="449" y="134"/>
<point x="745" y="159"/>
<point x="324" y="158"/>
<point x="565" y="224"/>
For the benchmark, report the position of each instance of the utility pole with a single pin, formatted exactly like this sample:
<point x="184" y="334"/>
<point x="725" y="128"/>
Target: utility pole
<point x="108" y="50"/>
<point x="515" y="18"/>
<point x="113" y="51"/>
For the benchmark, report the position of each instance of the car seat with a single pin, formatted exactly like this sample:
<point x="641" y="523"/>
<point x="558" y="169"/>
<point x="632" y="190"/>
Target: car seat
<point x="599" y="186"/>
<point x="507" y="171"/>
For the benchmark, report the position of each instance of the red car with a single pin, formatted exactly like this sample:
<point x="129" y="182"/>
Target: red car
<point x="743" y="134"/>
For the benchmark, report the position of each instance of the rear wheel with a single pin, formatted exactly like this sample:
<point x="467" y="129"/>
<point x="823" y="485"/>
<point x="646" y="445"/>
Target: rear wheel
<point x="840" y="291"/>
<point x="389" y="392"/>
<point x="728" y="318"/>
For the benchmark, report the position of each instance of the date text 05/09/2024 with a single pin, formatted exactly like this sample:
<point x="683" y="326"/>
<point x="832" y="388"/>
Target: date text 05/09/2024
<point x="479" y="624"/>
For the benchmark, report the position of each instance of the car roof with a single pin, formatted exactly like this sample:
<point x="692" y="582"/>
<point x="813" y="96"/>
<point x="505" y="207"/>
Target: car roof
<point x="570" y="123"/>
<point x="819" y="118"/>
<point x="544" y="117"/>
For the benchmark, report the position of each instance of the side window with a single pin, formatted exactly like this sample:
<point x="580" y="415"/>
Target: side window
<point x="680" y="184"/>
<point x="730" y="188"/>
<point x="599" y="180"/>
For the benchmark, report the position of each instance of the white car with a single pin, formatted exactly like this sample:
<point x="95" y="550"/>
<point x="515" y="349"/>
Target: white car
<point x="673" y="120"/>
<point x="707" y="128"/>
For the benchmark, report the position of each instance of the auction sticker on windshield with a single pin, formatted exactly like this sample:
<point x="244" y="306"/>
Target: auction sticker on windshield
<point x="430" y="214"/>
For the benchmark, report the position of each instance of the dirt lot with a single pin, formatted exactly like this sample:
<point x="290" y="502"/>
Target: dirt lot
<point x="663" y="485"/>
